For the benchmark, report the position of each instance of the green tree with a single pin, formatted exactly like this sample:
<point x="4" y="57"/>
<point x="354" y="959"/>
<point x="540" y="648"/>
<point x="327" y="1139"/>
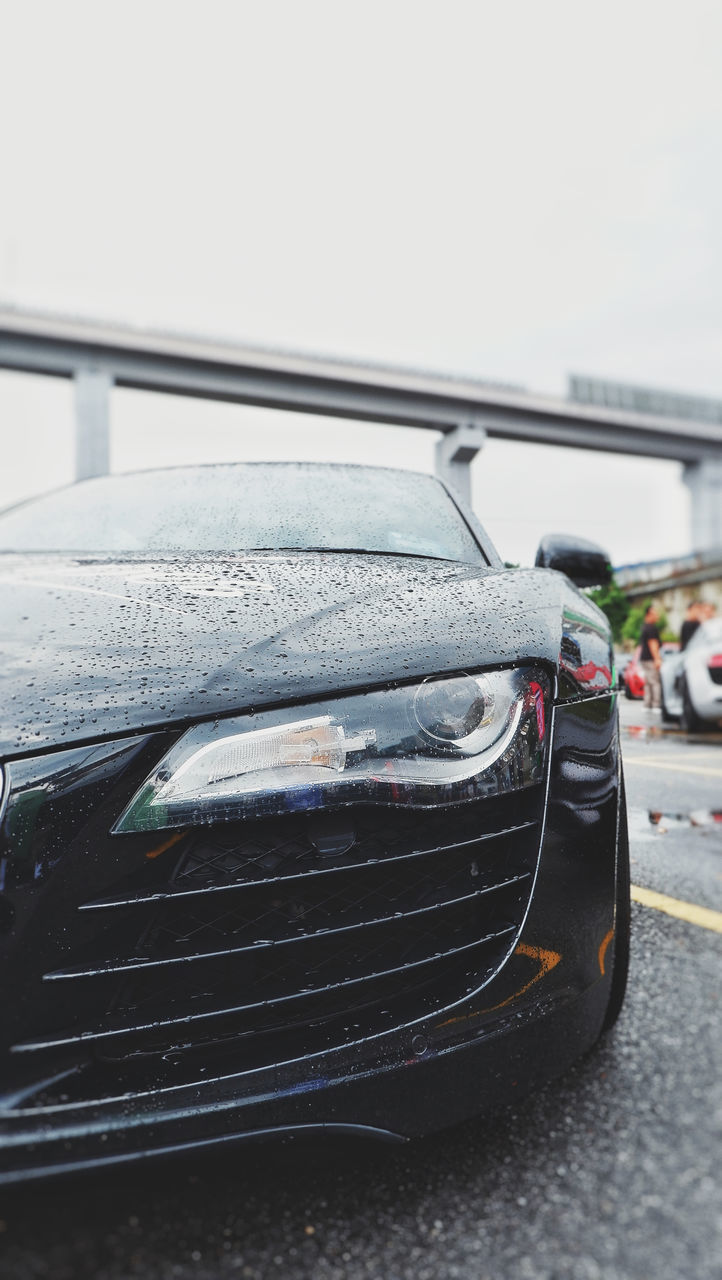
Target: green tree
<point x="612" y="601"/>
<point x="632" y="628"/>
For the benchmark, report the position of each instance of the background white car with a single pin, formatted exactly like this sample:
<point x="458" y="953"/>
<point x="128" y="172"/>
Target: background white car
<point x="692" y="681"/>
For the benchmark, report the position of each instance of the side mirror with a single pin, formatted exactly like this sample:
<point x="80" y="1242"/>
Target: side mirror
<point x="584" y="562"/>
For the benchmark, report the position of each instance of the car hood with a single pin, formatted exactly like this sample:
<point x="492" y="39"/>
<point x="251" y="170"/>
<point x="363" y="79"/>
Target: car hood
<point x="98" y="646"/>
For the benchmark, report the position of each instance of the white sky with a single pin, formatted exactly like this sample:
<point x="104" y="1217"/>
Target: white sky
<point x="514" y="191"/>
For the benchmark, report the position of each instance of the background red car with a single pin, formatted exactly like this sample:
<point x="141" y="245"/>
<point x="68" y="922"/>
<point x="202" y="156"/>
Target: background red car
<point x="634" y="675"/>
<point x="633" y="679"/>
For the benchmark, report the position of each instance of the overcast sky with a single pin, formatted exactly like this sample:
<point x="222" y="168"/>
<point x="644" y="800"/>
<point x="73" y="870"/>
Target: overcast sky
<point x="515" y="191"/>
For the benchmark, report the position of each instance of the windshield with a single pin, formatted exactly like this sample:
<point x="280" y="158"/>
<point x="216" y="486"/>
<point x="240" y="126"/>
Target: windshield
<point x="244" y="507"/>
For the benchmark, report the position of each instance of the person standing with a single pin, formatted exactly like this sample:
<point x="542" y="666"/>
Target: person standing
<point x="650" y="658"/>
<point x="692" y="619"/>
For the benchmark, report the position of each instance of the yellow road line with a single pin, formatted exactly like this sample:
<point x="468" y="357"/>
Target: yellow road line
<point x="705" y="917"/>
<point x="644" y="762"/>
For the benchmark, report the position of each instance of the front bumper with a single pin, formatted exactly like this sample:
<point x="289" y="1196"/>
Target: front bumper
<point x="542" y="1006"/>
<point x="388" y="1103"/>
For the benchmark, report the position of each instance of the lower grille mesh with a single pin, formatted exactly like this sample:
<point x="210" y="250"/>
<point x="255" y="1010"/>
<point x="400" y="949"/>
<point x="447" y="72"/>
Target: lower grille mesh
<point x="265" y="938"/>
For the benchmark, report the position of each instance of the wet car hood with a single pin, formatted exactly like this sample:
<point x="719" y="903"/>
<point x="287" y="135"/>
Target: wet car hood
<point x="97" y="646"/>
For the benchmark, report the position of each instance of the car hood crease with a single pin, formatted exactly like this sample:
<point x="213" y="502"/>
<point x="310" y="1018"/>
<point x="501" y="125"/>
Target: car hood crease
<point x="95" y="647"/>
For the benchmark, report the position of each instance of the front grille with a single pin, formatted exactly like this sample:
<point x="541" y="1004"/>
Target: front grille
<point x="715" y="674"/>
<point x="271" y="939"/>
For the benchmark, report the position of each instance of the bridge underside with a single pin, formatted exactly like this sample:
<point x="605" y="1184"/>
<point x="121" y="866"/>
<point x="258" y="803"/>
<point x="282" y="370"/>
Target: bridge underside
<point x="98" y="357"/>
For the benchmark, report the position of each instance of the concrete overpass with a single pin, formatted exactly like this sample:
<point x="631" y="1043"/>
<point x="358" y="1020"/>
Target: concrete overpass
<point x="99" y="356"/>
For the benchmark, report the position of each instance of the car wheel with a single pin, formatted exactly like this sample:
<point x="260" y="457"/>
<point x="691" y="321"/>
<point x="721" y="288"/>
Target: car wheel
<point x="622" y="920"/>
<point x="666" y="716"/>
<point x="628" y="693"/>
<point x="689" y="719"/>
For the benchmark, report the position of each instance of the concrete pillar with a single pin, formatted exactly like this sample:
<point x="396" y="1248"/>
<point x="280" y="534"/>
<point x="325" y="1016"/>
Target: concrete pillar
<point x="454" y="454"/>
<point x="92" y="422"/>
<point x="704" y="481"/>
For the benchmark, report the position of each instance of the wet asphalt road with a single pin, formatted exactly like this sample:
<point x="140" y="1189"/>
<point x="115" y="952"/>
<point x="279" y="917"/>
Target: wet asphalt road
<point x="611" y="1172"/>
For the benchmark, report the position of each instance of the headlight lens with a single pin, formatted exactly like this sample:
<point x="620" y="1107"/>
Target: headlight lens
<point x="463" y="711"/>
<point x="444" y="741"/>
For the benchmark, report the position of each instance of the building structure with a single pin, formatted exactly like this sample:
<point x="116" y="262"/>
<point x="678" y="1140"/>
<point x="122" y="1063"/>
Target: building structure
<point x="674" y="583"/>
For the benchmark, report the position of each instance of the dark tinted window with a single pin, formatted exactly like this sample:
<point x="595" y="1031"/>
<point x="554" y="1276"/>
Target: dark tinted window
<point x="246" y="506"/>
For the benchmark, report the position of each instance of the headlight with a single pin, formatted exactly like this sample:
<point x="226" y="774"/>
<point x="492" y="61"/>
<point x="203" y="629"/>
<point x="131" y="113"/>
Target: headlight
<point x="443" y="741"/>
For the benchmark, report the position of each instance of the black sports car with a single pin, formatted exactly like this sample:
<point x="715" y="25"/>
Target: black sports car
<point x="311" y="813"/>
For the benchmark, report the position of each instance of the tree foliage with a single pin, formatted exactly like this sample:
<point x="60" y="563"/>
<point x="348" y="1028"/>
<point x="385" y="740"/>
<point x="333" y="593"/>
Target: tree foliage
<point x="625" y="619"/>
<point x="612" y="601"/>
<point x="634" y="622"/>
<point x="632" y="628"/>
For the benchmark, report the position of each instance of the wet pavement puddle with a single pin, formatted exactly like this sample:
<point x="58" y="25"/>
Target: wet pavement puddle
<point x="659" y="733"/>
<point x="647" y="731"/>
<point x="649" y="823"/>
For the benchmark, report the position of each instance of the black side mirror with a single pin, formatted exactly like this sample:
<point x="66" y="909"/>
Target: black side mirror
<point x="584" y="562"/>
